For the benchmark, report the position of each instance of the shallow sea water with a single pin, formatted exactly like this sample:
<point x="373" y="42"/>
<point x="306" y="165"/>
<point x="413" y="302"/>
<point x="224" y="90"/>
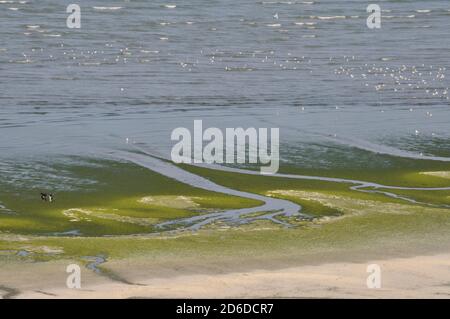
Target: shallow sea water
<point x="338" y="91"/>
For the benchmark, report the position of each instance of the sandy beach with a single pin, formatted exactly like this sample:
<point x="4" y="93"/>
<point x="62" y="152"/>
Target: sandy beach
<point x="413" y="277"/>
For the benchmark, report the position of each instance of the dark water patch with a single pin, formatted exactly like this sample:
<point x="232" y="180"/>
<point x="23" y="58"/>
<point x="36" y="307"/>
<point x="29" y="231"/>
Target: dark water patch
<point x="45" y="293"/>
<point x="23" y="253"/>
<point x="94" y="263"/>
<point x="9" y="293"/>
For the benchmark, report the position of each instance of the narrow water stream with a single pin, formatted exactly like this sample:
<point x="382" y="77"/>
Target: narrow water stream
<point x="271" y="208"/>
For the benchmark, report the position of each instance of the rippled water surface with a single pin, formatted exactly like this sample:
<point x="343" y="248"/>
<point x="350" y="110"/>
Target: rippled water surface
<point x="139" y="69"/>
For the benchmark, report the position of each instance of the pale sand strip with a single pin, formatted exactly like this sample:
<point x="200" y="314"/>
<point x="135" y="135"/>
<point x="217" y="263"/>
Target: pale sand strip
<point x="415" y="277"/>
<point x="442" y="174"/>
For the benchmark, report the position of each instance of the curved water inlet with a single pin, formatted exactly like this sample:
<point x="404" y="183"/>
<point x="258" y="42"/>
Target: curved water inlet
<point x="360" y="188"/>
<point x="363" y="144"/>
<point x="383" y="149"/>
<point x="270" y="210"/>
<point x="272" y="207"/>
<point x="358" y="185"/>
